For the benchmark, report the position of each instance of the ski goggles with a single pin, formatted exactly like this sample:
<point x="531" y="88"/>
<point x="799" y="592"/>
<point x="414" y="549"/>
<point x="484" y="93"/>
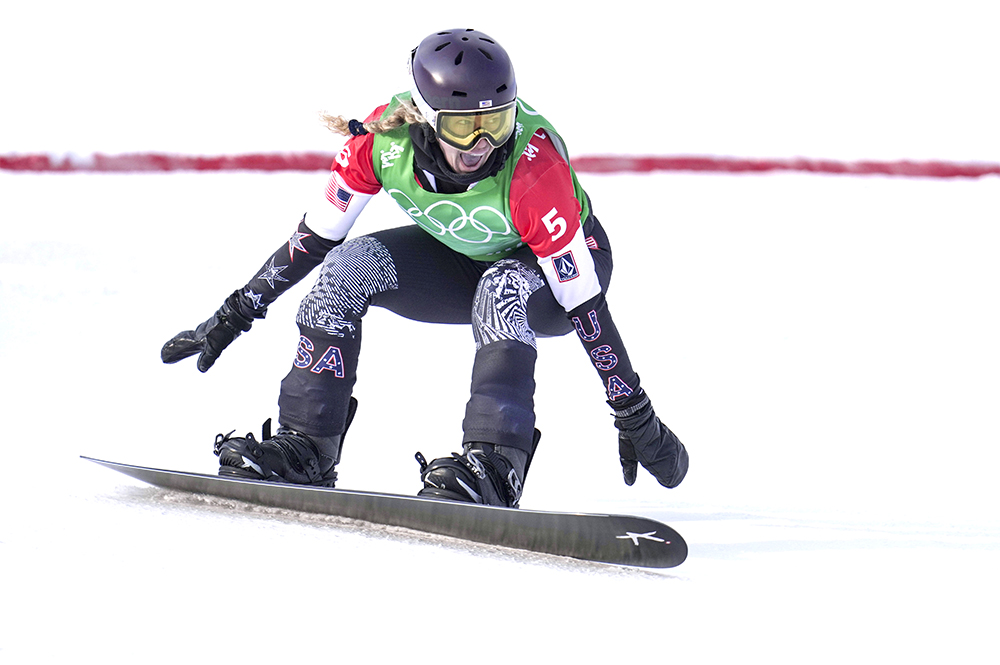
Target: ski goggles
<point x="463" y="129"/>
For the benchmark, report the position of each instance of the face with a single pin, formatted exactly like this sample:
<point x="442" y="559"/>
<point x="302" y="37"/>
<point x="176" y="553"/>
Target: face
<point x="466" y="161"/>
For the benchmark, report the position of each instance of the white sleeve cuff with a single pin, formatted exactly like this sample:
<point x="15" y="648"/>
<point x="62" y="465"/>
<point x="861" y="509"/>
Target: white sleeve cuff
<point x="571" y="274"/>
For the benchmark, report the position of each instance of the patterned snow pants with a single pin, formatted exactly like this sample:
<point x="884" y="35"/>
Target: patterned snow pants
<point x="405" y="270"/>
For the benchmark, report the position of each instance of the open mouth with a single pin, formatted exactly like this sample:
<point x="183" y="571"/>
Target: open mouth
<point x="473" y="161"/>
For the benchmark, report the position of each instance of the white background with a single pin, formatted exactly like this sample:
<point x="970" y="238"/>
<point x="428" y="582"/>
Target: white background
<point x="825" y="346"/>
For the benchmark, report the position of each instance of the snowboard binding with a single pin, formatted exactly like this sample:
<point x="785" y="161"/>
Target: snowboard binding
<point x="288" y="456"/>
<point x="480" y="474"/>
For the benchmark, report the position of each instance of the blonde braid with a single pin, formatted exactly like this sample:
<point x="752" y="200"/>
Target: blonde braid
<point x="405" y="112"/>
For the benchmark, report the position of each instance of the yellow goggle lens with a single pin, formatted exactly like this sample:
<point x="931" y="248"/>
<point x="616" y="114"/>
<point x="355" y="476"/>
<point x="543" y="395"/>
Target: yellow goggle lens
<point x="463" y="129"/>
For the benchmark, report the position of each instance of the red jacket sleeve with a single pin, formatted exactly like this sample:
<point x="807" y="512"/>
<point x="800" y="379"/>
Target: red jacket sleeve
<point x="546" y="213"/>
<point x="544" y="207"/>
<point x="354" y="162"/>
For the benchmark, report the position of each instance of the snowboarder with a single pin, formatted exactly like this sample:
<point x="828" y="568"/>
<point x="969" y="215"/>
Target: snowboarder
<point x="504" y="239"/>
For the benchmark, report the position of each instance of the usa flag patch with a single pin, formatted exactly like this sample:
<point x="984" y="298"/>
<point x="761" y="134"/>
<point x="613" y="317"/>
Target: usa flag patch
<point x="337" y="195"/>
<point x="565" y="266"/>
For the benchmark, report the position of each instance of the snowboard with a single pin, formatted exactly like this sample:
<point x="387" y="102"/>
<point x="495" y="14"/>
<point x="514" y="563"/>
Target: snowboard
<point x="622" y="540"/>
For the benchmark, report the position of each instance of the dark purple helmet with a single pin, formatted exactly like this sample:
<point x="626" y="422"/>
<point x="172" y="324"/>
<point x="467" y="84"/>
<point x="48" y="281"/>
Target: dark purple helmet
<point x="461" y="70"/>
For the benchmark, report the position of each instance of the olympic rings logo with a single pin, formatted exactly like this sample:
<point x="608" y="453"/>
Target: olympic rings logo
<point x="455" y="221"/>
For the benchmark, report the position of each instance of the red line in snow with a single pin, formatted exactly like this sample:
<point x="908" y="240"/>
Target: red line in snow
<point x="320" y="161"/>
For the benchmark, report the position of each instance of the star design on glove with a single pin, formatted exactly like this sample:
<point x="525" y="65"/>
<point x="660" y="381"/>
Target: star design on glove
<point x="295" y="243"/>
<point x="272" y="273"/>
<point x="255" y="297"/>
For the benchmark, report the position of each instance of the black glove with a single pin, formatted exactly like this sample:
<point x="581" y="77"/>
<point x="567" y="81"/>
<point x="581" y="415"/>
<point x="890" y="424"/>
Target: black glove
<point x="643" y="439"/>
<point x="211" y="337"/>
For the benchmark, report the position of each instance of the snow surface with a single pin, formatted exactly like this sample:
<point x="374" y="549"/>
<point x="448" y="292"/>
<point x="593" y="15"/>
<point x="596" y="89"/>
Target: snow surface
<point x="825" y="346"/>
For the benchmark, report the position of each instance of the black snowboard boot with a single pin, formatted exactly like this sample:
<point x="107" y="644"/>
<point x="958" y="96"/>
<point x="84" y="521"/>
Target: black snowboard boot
<point x="287" y="457"/>
<point x="484" y="473"/>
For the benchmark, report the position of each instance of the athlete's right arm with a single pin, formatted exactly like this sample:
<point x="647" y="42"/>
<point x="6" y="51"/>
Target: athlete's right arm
<point x="352" y="184"/>
<point x="292" y="261"/>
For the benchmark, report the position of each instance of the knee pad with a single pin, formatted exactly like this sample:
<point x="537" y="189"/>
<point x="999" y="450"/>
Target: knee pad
<point x="500" y="308"/>
<point x="350" y="275"/>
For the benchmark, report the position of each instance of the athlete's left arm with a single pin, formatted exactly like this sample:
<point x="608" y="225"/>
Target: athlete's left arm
<point x="546" y="213"/>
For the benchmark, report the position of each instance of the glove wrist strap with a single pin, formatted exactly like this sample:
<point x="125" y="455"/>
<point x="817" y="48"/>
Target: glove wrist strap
<point x="623" y="411"/>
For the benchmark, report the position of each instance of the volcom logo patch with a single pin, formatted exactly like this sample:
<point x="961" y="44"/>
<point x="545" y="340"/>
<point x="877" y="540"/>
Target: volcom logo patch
<point x="565" y="266"/>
